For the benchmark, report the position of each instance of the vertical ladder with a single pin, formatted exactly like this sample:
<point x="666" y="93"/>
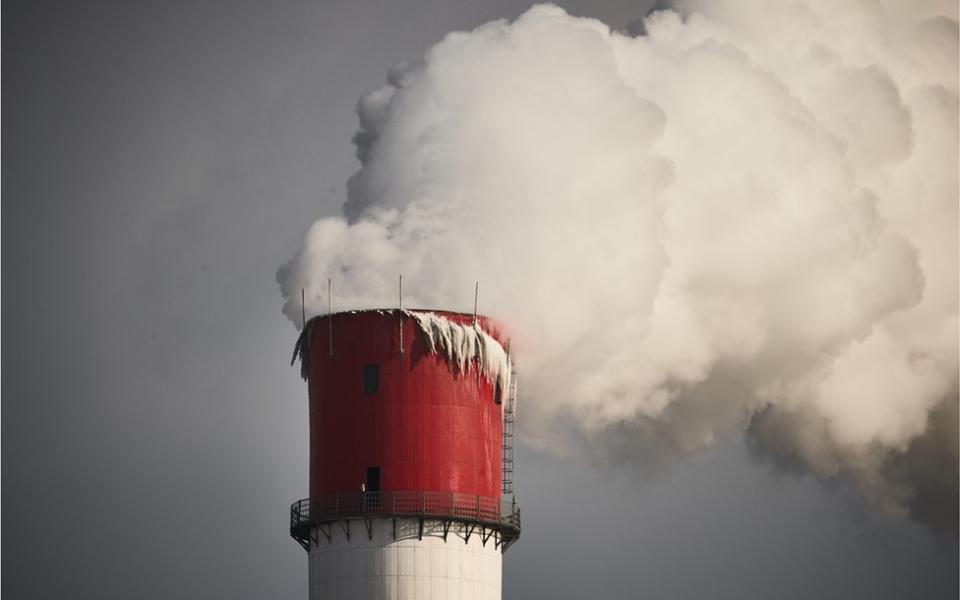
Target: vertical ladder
<point x="508" y="431"/>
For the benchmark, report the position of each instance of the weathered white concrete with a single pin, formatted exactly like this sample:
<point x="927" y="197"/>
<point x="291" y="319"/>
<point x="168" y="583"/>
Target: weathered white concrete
<point x="406" y="568"/>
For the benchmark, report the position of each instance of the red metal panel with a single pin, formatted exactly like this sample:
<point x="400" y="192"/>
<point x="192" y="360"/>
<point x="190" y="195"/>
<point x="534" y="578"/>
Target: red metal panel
<point x="429" y="428"/>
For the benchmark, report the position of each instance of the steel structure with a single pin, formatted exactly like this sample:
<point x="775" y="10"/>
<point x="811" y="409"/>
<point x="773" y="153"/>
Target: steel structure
<point x="411" y="461"/>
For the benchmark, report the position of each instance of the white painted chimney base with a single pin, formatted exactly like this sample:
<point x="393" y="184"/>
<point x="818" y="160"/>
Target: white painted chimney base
<point x="405" y="568"/>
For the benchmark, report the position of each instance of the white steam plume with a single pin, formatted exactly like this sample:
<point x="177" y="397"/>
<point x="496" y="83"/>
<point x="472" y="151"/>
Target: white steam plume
<point x="744" y="217"/>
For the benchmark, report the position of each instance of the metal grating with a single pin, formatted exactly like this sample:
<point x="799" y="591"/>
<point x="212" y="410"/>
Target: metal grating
<point x="492" y="514"/>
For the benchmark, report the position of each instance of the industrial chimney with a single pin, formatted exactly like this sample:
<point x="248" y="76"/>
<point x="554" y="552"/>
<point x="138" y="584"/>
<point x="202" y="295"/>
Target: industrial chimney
<point x="411" y="457"/>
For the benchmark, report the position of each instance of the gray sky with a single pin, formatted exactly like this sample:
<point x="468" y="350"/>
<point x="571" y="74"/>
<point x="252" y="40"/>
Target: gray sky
<point x="162" y="159"/>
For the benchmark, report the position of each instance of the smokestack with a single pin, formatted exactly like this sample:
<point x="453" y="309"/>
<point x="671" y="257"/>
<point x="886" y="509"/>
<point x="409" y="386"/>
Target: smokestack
<point x="410" y="456"/>
<point x="743" y="220"/>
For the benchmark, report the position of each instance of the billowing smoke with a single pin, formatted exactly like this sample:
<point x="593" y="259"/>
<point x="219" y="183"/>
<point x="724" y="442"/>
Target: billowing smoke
<point x="744" y="216"/>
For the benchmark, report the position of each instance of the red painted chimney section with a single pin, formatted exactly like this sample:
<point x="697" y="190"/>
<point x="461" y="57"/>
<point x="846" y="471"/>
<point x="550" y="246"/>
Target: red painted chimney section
<point x="387" y="415"/>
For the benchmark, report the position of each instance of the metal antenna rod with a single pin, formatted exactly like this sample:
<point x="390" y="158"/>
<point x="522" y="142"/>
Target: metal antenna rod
<point x="401" y="312"/>
<point x="330" y="312"/>
<point x="476" y="292"/>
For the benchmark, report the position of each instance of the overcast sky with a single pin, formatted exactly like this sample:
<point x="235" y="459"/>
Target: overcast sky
<point x="161" y="159"/>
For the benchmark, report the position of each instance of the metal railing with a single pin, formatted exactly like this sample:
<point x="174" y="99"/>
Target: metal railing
<point x="488" y="512"/>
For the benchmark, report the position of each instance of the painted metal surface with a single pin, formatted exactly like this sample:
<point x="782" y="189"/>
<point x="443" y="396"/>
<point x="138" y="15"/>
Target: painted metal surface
<point x="427" y="426"/>
<point x="406" y="568"/>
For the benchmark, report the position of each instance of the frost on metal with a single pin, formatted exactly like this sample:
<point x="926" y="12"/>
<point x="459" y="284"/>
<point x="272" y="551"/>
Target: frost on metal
<point x="301" y="350"/>
<point x="461" y="345"/>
